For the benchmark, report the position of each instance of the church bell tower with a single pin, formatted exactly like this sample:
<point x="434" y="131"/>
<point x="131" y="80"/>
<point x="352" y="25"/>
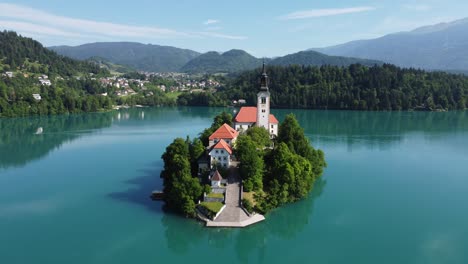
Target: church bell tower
<point x="263" y="101"/>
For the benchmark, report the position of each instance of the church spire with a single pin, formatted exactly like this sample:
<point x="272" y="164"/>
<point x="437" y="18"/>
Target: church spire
<point x="264" y="79"/>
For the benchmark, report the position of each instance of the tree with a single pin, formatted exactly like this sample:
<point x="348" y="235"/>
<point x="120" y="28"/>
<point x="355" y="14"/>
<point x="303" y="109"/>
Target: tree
<point x="223" y="118"/>
<point x="251" y="163"/>
<point x="290" y="176"/>
<point x="291" y="133"/>
<point x="259" y="136"/>
<point x="196" y="150"/>
<point x="181" y="190"/>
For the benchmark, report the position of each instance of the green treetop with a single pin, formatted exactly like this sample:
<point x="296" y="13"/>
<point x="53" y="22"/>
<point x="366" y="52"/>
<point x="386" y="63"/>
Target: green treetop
<point x="251" y="163"/>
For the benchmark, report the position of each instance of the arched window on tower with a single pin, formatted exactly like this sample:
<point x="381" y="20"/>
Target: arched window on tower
<point x="263" y="100"/>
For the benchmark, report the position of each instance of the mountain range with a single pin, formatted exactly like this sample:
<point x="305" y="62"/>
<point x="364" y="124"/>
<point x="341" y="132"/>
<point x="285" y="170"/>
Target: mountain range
<point x="136" y="55"/>
<point x="156" y="58"/>
<point x="442" y="46"/>
<point x="437" y="47"/>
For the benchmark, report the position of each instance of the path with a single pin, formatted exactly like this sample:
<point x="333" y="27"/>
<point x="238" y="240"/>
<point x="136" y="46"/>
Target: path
<point x="233" y="215"/>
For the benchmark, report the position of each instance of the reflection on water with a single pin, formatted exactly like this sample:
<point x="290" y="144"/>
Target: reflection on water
<point x="284" y="223"/>
<point x="374" y="129"/>
<point x="25" y="139"/>
<point x="408" y="198"/>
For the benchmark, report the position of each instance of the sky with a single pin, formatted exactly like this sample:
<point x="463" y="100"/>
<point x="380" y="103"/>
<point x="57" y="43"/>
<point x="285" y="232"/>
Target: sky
<point x="262" y="28"/>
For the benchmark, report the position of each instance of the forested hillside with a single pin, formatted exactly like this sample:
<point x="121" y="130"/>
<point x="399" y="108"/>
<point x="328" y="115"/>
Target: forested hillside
<point x="313" y="58"/>
<point x="230" y="61"/>
<point x="67" y="86"/>
<point x="20" y="53"/>
<point x="143" y="57"/>
<point x="355" y="87"/>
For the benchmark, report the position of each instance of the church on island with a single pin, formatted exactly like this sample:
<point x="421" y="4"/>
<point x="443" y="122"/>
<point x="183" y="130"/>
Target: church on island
<point x="260" y="116"/>
<point x="223" y="139"/>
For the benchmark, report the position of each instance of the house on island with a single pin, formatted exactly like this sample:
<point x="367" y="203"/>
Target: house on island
<point x="259" y="115"/>
<point x="225" y="132"/>
<point x="220" y="154"/>
<point x="216" y="179"/>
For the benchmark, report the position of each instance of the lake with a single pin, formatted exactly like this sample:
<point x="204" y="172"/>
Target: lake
<point x="74" y="189"/>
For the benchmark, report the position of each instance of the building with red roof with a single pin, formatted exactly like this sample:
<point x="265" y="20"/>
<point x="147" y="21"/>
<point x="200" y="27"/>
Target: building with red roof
<point x="220" y="154"/>
<point x="259" y="115"/>
<point x="216" y="179"/>
<point x="224" y="132"/>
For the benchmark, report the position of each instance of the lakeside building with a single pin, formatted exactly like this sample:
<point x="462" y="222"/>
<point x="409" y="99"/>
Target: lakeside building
<point x="259" y="115"/>
<point x="226" y="133"/>
<point x="222" y="141"/>
<point x="221" y="154"/>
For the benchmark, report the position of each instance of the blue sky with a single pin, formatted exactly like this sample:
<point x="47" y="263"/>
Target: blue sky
<point x="263" y="28"/>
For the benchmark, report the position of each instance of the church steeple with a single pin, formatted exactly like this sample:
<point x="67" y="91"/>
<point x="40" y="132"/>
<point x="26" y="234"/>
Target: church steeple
<point x="263" y="102"/>
<point x="264" y="79"/>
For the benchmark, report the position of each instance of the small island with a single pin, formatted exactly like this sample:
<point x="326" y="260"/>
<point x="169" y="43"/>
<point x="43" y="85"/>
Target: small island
<point x="240" y="168"/>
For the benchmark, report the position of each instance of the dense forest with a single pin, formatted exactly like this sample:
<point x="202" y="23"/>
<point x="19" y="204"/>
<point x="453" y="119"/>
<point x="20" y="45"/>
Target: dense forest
<point x="71" y="90"/>
<point x="17" y="52"/>
<point x="355" y="87"/>
<point x="281" y="174"/>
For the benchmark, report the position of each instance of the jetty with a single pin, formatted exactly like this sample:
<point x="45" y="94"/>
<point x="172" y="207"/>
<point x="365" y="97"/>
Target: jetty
<point x="157" y="195"/>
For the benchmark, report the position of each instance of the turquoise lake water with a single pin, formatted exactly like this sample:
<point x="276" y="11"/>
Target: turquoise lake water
<point x="395" y="191"/>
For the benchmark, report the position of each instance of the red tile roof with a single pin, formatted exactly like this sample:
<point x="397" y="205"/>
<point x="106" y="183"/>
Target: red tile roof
<point x="223" y="145"/>
<point x="248" y="114"/>
<point x="225" y="131"/>
<point x="216" y="176"/>
<point x="273" y="119"/>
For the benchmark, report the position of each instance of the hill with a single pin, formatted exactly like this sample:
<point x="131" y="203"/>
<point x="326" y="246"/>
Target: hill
<point x="355" y="87"/>
<point x="111" y="67"/>
<point x="153" y="58"/>
<point x="18" y="53"/>
<point x="37" y="81"/>
<point x="439" y="47"/>
<point x="313" y="58"/>
<point x="227" y="62"/>
<point x="239" y="60"/>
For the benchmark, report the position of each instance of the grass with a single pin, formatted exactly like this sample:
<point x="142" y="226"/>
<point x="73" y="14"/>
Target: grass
<point x="212" y="206"/>
<point x="215" y="195"/>
<point x="173" y="95"/>
<point x="249" y="196"/>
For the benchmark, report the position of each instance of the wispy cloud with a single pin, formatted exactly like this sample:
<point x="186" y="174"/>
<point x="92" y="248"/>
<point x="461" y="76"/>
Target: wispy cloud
<point x="32" y="28"/>
<point x="325" y="12"/>
<point x="219" y="35"/>
<point x="211" y="21"/>
<point x="29" y="21"/>
<point x="39" y="17"/>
